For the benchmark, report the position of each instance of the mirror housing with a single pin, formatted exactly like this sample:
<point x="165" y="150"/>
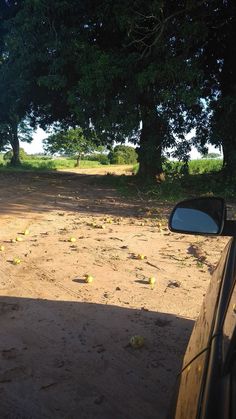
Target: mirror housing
<point x="205" y="215"/>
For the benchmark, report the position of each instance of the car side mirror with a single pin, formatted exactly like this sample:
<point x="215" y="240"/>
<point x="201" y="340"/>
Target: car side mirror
<point x="204" y="215"/>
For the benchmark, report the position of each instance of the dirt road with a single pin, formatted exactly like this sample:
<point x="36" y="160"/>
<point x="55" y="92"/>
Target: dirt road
<point x="64" y="345"/>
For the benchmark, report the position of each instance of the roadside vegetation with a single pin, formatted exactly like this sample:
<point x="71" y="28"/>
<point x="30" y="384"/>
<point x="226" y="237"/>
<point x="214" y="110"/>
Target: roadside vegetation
<point x="204" y="176"/>
<point x="194" y="167"/>
<point x="174" y="189"/>
<point x="115" y="157"/>
<point x="81" y="155"/>
<point x="34" y="162"/>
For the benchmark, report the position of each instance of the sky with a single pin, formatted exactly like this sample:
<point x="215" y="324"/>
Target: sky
<point x="36" y="146"/>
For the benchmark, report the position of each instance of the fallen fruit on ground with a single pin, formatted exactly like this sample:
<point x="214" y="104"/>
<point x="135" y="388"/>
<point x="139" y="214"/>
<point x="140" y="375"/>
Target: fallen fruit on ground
<point x="26" y="232"/>
<point x="13" y="240"/>
<point x="16" y="261"/>
<point x="108" y="220"/>
<point x="19" y="239"/>
<point x="141" y="257"/>
<point x="152" y="281"/>
<point x="88" y="278"/>
<point x="136" y="341"/>
<point x="2" y="248"/>
<point x="72" y="239"/>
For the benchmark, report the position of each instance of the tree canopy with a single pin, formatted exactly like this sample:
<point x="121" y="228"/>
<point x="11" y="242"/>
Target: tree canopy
<point x="147" y="72"/>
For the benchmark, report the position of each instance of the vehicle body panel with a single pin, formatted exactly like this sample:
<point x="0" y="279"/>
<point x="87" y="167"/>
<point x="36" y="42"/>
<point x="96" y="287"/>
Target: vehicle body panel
<point x="199" y="339"/>
<point x="200" y="392"/>
<point x="190" y="386"/>
<point x="207" y="383"/>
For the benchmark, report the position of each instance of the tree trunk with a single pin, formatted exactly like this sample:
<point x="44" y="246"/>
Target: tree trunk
<point x="15" y="160"/>
<point x="226" y="117"/>
<point x="150" y="151"/>
<point x="229" y="160"/>
<point x="78" y="161"/>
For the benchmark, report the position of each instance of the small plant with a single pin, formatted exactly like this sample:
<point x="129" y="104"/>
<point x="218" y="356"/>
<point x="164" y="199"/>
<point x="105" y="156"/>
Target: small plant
<point x="8" y="155"/>
<point x="199" y="264"/>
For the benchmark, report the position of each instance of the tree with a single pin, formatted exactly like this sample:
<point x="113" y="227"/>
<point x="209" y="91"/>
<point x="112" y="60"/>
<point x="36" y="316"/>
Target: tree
<point x="86" y="66"/>
<point x="14" y="92"/>
<point x="70" y="143"/>
<point x="11" y="134"/>
<point x="223" y="124"/>
<point x="129" y="70"/>
<point x="216" y="50"/>
<point x="210" y="44"/>
<point x="9" y="154"/>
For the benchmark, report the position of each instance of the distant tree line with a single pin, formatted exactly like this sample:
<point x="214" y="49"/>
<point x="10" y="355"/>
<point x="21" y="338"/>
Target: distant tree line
<point x="62" y="144"/>
<point x="146" y="71"/>
<point x="72" y="142"/>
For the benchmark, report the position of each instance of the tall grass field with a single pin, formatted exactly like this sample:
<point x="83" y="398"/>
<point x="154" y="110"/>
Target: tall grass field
<point x="205" y="166"/>
<point x="196" y="167"/>
<point x="35" y="162"/>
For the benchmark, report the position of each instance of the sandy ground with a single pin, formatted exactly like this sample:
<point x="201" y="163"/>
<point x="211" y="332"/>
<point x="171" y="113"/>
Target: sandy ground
<point x="64" y="344"/>
<point x="126" y="169"/>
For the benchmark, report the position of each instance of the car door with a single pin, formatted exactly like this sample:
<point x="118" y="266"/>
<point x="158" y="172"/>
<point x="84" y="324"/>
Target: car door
<point x="219" y="399"/>
<point x="195" y="364"/>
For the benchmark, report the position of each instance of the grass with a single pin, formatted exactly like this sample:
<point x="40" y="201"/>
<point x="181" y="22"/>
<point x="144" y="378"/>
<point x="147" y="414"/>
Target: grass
<point x="45" y="163"/>
<point x="204" y="178"/>
<point x="204" y="166"/>
<point x="191" y="186"/>
<point x="196" y="167"/>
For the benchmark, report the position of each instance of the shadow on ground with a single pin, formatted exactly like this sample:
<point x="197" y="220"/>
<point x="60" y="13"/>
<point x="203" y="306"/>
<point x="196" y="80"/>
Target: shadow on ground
<point x="63" y="359"/>
<point x="91" y="194"/>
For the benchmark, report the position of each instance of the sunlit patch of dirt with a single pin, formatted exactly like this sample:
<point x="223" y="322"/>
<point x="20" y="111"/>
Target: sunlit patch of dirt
<point x="65" y="343"/>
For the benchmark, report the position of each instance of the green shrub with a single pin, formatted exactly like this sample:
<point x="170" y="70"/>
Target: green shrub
<point x="8" y="155"/>
<point x="99" y="157"/>
<point x="103" y="159"/>
<point x="117" y="158"/>
<point x="123" y="154"/>
<point x="173" y="167"/>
